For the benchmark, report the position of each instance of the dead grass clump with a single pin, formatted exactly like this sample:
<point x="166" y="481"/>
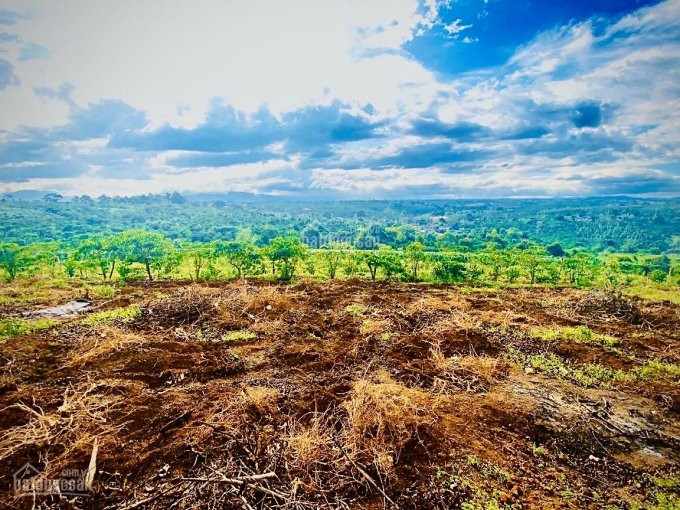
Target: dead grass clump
<point x="101" y="344"/>
<point x="310" y="447"/>
<point x="252" y="404"/>
<point x="374" y="326"/>
<point x="185" y="307"/>
<point x="487" y="369"/>
<point x="455" y="324"/>
<point x="263" y="299"/>
<point x="261" y="400"/>
<point x="438" y="304"/>
<point x="471" y="373"/>
<point x="69" y="430"/>
<point x="608" y="304"/>
<point x="382" y="417"/>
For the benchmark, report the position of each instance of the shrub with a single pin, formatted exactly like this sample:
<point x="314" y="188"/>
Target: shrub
<point x="658" y="276"/>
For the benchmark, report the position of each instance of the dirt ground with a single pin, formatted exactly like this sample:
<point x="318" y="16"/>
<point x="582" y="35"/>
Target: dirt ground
<point x="345" y="395"/>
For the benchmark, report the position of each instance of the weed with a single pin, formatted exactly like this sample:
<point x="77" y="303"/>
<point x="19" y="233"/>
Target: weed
<point x="373" y="326"/>
<point x="538" y="451"/>
<point x="665" y="482"/>
<point x="654" y="370"/>
<point x="125" y="315"/>
<point x="100" y="291"/>
<point x="386" y="337"/>
<point x="589" y="375"/>
<point x="14" y="327"/>
<point x="578" y="334"/>
<point x="235" y="336"/>
<point x="356" y="310"/>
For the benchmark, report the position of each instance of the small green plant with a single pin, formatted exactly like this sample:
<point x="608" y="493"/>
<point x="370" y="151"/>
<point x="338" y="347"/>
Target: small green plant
<point x="654" y="370"/>
<point x="665" y="482"/>
<point x="125" y="315"/>
<point x="538" y="451"/>
<point x="578" y="334"/>
<point x="386" y="337"/>
<point x="589" y="375"/>
<point x="356" y="310"/>
<point x="239" y="335"/>
<point x="101" y="291"/>
<point x="14" y="327"/>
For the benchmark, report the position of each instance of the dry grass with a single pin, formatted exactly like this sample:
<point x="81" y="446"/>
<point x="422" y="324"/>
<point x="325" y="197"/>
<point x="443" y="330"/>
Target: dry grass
<point x="456" y="323"/>
<point x="310" y="447"/>
<point x="103" y="343"/>
<point x="382" y="417"/>
<point x="259" y="300"/>
<point x="465" y="372"/>
<point x="69" y="429"/>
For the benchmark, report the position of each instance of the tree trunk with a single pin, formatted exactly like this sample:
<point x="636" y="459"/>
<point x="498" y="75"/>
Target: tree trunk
<point x="148" y="271"/>
<point x="113" y="266"/>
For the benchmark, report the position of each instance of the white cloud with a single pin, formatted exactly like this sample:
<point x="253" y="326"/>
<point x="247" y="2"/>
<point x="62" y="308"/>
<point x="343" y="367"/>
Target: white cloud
<point x="170" y="58"/>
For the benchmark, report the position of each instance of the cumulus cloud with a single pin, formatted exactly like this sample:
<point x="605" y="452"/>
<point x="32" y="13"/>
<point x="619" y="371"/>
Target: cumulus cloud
<point x="325" y="98"/>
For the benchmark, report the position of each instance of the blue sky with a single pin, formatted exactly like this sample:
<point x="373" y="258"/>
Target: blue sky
<point x="341" y="98"/>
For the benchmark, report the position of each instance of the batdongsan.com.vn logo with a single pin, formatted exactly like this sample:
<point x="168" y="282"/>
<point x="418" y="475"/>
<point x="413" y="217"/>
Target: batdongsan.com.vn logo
<point x="30" y="481"/>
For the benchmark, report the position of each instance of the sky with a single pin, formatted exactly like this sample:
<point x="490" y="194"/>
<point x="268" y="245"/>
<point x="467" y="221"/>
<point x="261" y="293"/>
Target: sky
<point x="341" y="98"/>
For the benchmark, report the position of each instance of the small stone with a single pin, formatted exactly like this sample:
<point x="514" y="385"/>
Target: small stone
<point x="529" y="370"/>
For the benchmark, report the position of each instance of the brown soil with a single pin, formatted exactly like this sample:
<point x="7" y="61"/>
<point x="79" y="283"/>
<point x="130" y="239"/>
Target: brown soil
<point x="408" y="400"/>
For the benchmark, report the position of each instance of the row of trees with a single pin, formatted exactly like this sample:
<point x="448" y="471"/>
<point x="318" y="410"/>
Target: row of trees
<point x="138" y="253"/>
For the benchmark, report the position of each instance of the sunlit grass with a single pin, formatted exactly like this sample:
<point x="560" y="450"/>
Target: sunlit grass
<point x="125" y="314"/>
<point x="239" y="335"/>
<point x="15" y="326"/>
<point x="578" y="334"/>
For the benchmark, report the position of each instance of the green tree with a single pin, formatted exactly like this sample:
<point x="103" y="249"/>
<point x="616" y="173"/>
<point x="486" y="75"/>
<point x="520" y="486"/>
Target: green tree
<point x="284" y="254"/>
<point x="200" y="256"/>
<point x="658" y="275"/>
<point x="99" y="253"/>
<point x="495" y="260"/>
<point x="14" y="259"/>
<point x="151" y="249"/>
<point x="555" y="250"/>
<point x="244" y="257"/>
<point x="415" y="254"/>
<point x="449" y="268"/>
<point x="532" y="260"/>
<point x="333" y="255"/>
<point x="373" y="261"/>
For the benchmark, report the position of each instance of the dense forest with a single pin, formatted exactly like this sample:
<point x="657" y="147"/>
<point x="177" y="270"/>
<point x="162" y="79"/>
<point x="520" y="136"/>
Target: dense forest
<point x="594" y="224"/>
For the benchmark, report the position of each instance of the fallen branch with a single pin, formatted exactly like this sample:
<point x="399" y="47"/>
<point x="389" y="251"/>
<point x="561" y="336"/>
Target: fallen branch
<point x="364" y="473"/>
<point x="92" y="468"/>
<point x="174" y="422"/>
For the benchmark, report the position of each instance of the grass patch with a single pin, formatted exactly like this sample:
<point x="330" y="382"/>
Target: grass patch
<point x="14" y="327"/>
<point x="651" y="292"/>
<point x="101" y="291"/>
<point x="356" y="310"/>
<point x="239" y="335"/>
<point x="665" y="482"/>
<point x="594" y="374"/>
<point x="578" y="334"/>
<point x="654" y="370"/>
<point x="589" y="375"/>
<point x="125" y="315"/>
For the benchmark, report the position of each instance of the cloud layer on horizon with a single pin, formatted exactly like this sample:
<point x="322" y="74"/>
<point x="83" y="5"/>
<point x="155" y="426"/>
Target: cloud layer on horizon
<point x="334" y="101"/>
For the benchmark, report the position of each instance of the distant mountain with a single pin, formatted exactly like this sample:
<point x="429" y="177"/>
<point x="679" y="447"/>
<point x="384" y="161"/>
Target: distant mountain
<point x="26" y="195"/>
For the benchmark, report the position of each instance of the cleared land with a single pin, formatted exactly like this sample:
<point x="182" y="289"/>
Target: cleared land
<point x="344" y="395"/>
